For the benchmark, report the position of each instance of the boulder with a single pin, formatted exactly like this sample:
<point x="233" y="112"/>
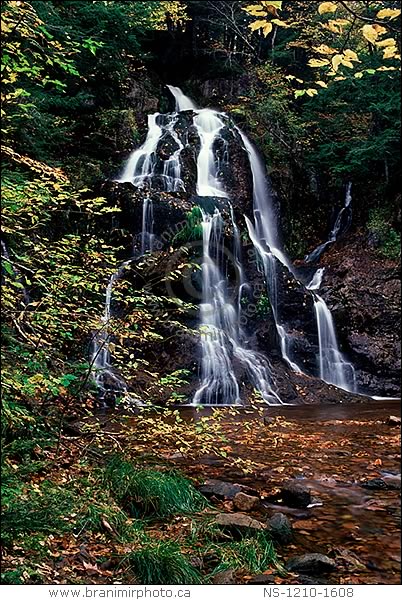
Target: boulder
<point x="280" y="528"/>
<point x="245" y="503"/>
<point x="238" y="523"/>
<point x="388" y="482"/>
<point x="226" y="577"/>
<point x="314" y="563"/>
<point x="224" y="489"/>
<point x="295" y="495"/>
<point x="393" y="421"/>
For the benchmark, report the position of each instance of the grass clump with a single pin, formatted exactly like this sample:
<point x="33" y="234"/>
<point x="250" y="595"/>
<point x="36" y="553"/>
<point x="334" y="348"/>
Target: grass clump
<point x="100" y="518"/>
<point x="148" y="492"/>
<point x="192" y="229"/>
<point x="255" y="553"/>
<point x="162" y="563"/>
<point x="43" y="509"/>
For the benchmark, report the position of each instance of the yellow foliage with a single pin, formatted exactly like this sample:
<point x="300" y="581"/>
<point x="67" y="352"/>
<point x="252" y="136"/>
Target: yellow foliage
<point x="323" y="49"/>
<point x="327" y="7"/>
<point x="390" y="52"/>
<point x="267" y="29"/>
<point x="392" y="13"/>
<point x="370" y="33"/>
<point x="336" y="61"/>
<point x="312" y="92"/>
<point x="387" y="42"/>
<point x="318" y="62"/>
<point x="258" y="25"/>
<point x="350" y="55"/>
<point x="322" y="84"/>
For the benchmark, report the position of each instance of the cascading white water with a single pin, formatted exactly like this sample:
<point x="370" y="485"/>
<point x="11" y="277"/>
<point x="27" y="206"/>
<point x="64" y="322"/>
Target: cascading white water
<point x="141" y="163"/>
<point x="208" y="125"/>
<point x="144" y="165"/>
<point x="334" y="368"/>
<point x="182" y="102"/>
<point x="147" y="234"/>
<point x="264" y="236"/>
<point x="316" y="281"/>
<point x="106" y="380"/>
<point x="221" y="335"/>
<point x="338" y="226"/>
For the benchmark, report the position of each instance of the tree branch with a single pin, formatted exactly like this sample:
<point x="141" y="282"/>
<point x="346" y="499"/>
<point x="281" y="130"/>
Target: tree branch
<point x="368" y="19"/>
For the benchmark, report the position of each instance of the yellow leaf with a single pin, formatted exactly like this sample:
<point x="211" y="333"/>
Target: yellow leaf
<point x="334" y="26"/>
<point x="350" y="55"/>
<point x="383" y="68"/>
<point x="267" y="29"/>
<point x="327" y="7"/>
<point x="380" y="29"/>
<point x="347" y="63"/>
<point x="336" y="61"/>
<point x="322" y="84"/>
<point x="318" y="62"/>
<point x="311" y="92"/>
<point x="359" y="75"/>
<point x="323" y="49"/>
<point x="258" y="25"/>
<point x="370" y="33"/>
<point x="387" y="42"/>
<point x="273" y="4"/>
<point x="339" y="78"/>
<point x="390" y="52"/>
<point x="255" y="11"/>
<point x="392" y="13"/>
<point x="280" y="23"/>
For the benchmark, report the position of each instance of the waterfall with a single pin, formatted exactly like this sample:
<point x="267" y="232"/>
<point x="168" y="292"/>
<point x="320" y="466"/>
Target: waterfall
<point x="106" y="380"/>
<point x="316" y="281"/>
<point x="140" y="165"/>
<point x="208" y="126"/>
<point x="264" y="236"/>
<point x="147" y="236"/>
<point x="222" y="340"/>
<point x="333" y="367"/>
<point x="145" y="166"/>
<point x="182" y="101"/>
<point x="340" y="226"/>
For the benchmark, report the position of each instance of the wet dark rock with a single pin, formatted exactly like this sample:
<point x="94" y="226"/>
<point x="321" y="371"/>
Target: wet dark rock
<point x="295" y="495"/>
<point x="244" y="502"/>
<point x="238" y="523"/>
<point x="314" y="563"/>
<point x="363" y="291"/>
<point x="374" y="484"/>
<point x="262" y="580"/>
<point x="280" y="528"/>
<point x="226" y="577"/>
<point x="388" y="482"/>
<point x="224" y="489"/>
<point x="393" y="421"/>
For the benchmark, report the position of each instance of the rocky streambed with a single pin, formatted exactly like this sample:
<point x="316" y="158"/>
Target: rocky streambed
<point x="324" y="479"/>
